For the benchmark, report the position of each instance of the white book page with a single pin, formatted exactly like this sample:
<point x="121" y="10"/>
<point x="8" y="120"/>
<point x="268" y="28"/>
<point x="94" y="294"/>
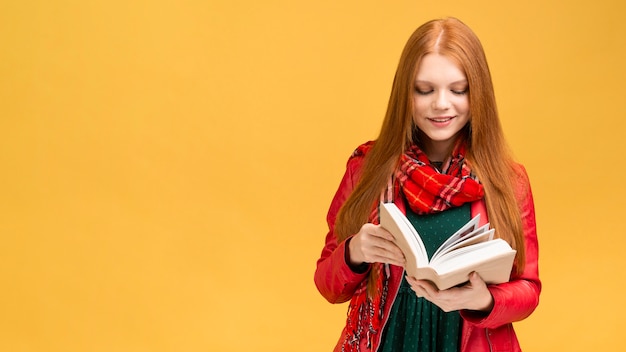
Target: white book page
<point x="394" y="221"/>
<point x="421" y="249"/>
<point x="467" y="256"/>
<point x="478" y="236"/>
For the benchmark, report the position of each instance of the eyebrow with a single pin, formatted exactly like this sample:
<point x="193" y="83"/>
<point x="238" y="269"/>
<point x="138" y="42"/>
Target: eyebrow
<point x="463" y="81"/>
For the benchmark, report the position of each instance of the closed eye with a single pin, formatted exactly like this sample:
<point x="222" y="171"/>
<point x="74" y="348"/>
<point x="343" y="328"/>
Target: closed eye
<point x="423" y="92"/>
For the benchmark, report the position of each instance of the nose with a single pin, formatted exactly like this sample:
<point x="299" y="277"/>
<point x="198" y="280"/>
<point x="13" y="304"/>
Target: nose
<point x="441" y="101"/>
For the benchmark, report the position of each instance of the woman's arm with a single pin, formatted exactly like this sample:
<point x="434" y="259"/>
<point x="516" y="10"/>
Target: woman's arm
<point x="334" y="278"/>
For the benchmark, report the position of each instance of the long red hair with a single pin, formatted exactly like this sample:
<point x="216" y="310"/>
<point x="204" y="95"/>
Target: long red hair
<point x="487" y="152"/>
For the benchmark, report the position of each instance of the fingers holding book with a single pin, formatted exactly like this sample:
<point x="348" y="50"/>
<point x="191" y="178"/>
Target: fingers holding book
<point x="473" y="295"/>
<point x="374" y="244"/>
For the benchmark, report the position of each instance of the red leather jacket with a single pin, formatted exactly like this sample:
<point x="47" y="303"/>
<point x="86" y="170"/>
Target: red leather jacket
<point x="513" y="301"/>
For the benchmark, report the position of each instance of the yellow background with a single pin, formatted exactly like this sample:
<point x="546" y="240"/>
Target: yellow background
<point x="166" y="166"/>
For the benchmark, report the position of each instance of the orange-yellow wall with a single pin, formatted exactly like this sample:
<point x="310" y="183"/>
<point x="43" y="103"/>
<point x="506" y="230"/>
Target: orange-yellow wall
<point x="166" y="166"/>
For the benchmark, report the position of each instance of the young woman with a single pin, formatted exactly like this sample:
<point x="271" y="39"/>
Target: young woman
<point x="442" y="158"/>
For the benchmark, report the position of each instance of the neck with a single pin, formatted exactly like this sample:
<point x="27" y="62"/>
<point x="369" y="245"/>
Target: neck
<point x="438" y="151"/>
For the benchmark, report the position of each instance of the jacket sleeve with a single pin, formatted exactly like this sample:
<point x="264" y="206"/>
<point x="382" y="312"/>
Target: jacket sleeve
<point x="334" y="279"/>
<point x="518" y="298"/>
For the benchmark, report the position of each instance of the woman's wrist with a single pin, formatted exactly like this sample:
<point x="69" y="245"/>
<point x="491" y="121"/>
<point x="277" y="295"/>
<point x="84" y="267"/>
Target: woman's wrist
<point x="359" y="267"/>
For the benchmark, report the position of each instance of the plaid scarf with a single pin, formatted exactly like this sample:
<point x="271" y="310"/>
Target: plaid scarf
<point x="427" y="190"/>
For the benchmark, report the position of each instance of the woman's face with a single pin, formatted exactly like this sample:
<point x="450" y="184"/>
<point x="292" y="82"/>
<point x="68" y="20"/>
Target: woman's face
<point x="440" y="104"/>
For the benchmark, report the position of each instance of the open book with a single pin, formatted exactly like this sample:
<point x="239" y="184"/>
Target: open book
<point x="471" y="248"/>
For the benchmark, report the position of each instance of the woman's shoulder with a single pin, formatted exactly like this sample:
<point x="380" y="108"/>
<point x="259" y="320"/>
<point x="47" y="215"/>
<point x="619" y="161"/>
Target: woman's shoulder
<point x="362" y="150"/>
<point x="519" y="170"/>
<point x="522" y="182"/>
<point x="356" y="160"/>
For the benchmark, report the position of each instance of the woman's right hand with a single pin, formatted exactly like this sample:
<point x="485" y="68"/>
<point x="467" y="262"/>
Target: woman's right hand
<point x="374" y="244"/>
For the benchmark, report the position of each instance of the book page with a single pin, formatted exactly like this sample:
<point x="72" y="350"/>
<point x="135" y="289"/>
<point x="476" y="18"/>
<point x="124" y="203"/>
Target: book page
<point x="406" y="238"/>
<point x="493" y="261"/>
<point x="470" y="255"/>
<point x="477" y="236"/>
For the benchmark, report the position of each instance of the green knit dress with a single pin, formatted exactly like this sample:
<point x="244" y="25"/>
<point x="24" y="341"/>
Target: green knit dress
<point x="414" y="323"/>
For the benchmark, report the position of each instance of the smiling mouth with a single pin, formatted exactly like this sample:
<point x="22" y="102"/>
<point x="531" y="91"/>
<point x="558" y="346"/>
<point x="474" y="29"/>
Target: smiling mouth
<point x="441" y="119"/>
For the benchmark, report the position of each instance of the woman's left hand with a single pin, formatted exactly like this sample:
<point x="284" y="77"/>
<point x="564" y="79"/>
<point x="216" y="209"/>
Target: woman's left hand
<point x="474" y="295"/>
